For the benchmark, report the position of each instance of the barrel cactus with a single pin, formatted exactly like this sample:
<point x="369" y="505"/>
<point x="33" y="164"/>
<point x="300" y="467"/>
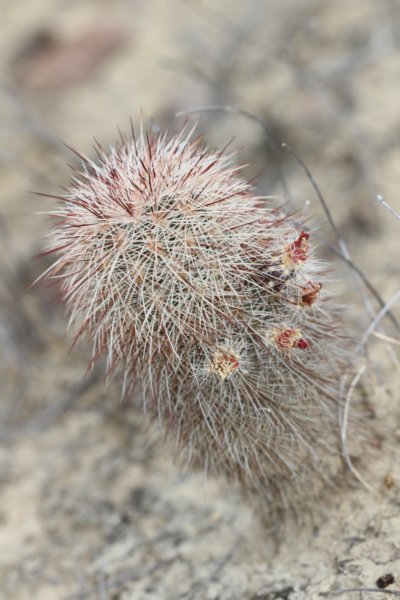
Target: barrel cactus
<point x="210" y="306"/>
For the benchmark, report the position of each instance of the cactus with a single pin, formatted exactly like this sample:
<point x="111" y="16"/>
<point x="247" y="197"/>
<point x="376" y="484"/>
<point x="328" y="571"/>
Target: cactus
<point x="207" y="301"/>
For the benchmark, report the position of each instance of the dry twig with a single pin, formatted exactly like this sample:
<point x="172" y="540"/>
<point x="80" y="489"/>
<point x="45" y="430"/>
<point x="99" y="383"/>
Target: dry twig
<point x="382" y="201"/>
<point x="384" y="310"/>
<point x="343" y="429"/>
<point x="353" y="590"/>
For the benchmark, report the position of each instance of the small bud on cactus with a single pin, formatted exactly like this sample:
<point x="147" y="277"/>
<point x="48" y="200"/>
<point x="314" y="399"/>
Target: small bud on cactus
<point x="207" y="301"/>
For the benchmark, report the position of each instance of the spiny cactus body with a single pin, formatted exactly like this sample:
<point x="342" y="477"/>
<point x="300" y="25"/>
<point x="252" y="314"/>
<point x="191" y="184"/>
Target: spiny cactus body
<point x="208" y="301"/>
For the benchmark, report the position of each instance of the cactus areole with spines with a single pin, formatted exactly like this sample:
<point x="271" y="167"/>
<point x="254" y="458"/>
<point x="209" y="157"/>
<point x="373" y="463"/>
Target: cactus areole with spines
<point x="209" y="304"/>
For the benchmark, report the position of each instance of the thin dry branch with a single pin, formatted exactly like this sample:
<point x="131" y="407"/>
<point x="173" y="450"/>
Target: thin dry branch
<point x="343" y="429"/>
<point x="382" y="201"/>
<point x="384" y="310"/>
<point x="353" y="590"/>
<point x="386" y="338"/>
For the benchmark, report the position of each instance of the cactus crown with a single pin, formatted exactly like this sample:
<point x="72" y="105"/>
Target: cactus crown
<point x="210" y="299"/>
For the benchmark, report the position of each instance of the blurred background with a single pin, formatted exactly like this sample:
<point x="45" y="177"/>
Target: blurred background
<point x="90" y="506"/>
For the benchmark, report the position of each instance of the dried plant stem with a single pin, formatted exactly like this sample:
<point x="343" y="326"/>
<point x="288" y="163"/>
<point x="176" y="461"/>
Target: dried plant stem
<point x="386" y="338"/>
<point x="343" y="429"/>
<point x="384" y="310"/>
<point x="382" y="201"/>
<point x="360" y="589"/>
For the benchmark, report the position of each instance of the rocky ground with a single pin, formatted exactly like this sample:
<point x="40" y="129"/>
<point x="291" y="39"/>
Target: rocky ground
<point x="91" y="505"/>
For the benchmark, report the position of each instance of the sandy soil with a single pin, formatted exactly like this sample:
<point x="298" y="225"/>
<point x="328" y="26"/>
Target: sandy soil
<point x="90" y="504"/>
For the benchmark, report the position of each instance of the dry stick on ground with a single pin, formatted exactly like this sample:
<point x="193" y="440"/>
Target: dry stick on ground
<point x="353" y="590"/>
